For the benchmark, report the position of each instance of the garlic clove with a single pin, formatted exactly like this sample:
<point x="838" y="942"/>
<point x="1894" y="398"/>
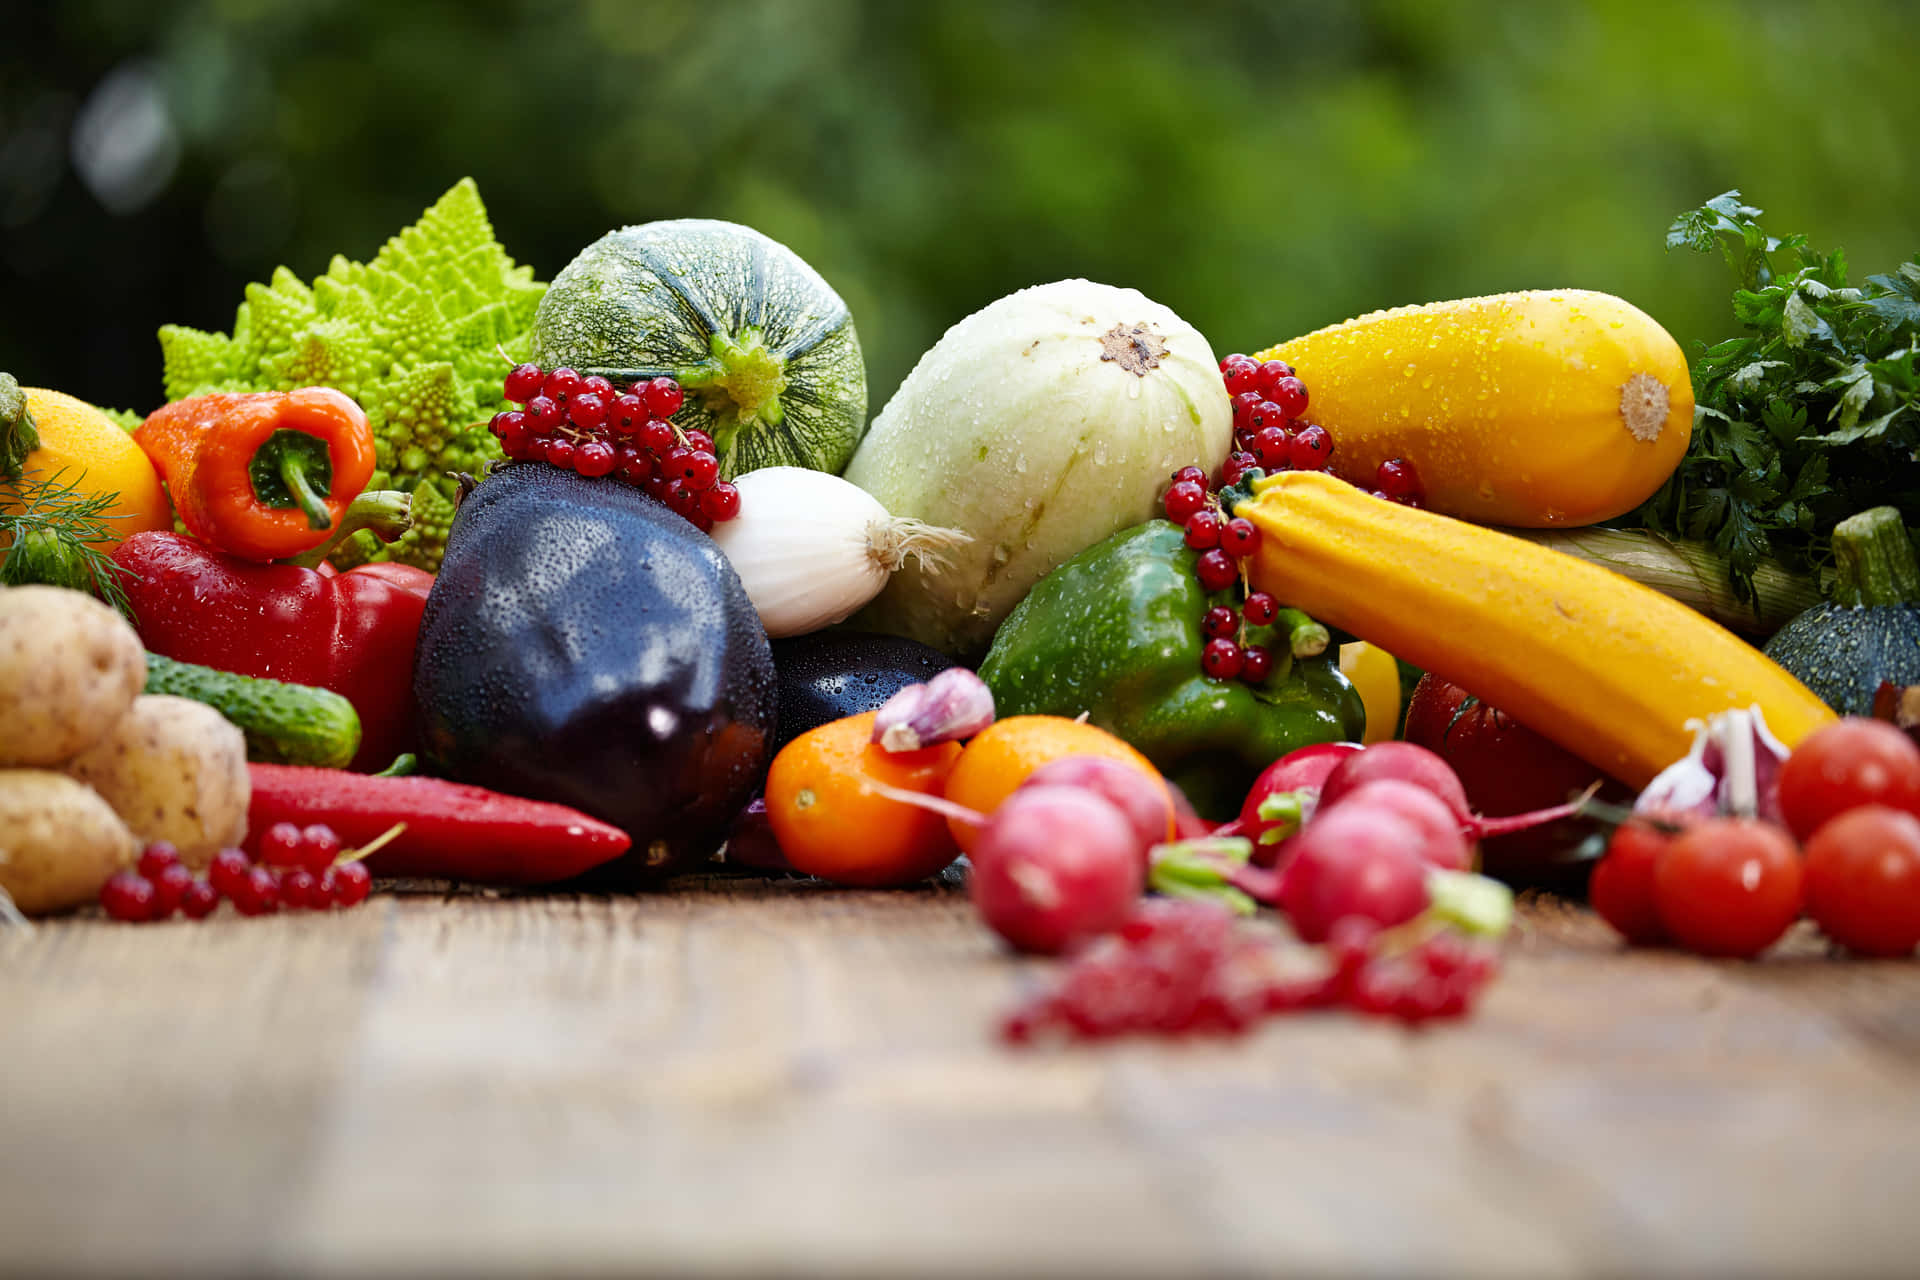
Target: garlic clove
<point x="955" y="704"/>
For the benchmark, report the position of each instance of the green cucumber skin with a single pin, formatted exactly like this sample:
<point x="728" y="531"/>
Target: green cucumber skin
<point x="283" y="723"/>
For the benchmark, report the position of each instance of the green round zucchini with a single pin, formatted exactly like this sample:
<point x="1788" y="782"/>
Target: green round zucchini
<point x="764" y="347"/>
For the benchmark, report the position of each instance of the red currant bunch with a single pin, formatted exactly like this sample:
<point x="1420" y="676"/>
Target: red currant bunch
<point x="300" y="869"/>
<point x="590" y="426"/>
<point x="1185" y="967"/>
<point x="1269" y="430"/>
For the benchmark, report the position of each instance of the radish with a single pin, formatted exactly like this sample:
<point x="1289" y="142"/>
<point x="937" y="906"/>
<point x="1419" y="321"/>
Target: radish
<point x="1056" y="866"/>
<point x="1440" y="842"/>
<point x="1405" y="762"/>
<point x="1401" y="762"/>
<point x="1295" y="779"/>
<point x="1139" y="798"/>
<point x="1354" y="861"/>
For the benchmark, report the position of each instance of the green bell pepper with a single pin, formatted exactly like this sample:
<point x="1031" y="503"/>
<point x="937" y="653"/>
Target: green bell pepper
<point x="1115" y="633"/>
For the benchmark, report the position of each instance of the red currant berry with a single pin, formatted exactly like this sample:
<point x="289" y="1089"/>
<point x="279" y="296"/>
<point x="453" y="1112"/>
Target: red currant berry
<point x="1203" y="530"/>
<point x="259" y="895"/>
<point x="127" y="896"/>
<point x="1236" y="467"/>
<point x="282" y="846"/>
<point x="594" y="459"/>
<point x="1237" y="364"/>
<point x="511" y="422"/>
<point x="319" y="846"/>
<point x="700" y="470"/>
<point x="544" y="413"/>
<point x="1397" y="479"/>
<point x="562" y="385"/>
<point x="170" y="884"/>
<point x="1266" y="414"/>
<point x="586" y="410"/>
<point x="1243" y="406"/>
<point x="296" y="889"/>
<point x="157" y="857"/>
<point x="559" y="453"/>
<point x="663" y="397"/>
<point x="517" y="445"/>
<point x="1216" y="570"/>
<point x="1311" y="449"/>
<point x="1240" y="537"/>
<point x="657" y="438"/>
<point x="699" y="441"/>
<point x="627" y="414"/>
<point x="1256" y="663"/>
<point x="1183" y="499"/>
<point x="682" y="499"/>
<point x="1219" y="623"/>
<point x="1260" y="608"/>
<point x="1270" y="372"/>
<point x="636" y="468"/>
<point x="199" y="901"/>
<point x="227" y="873"/>
<point x="1291" y="395"/>
<point x="524" y="382"/>
<point x="352" y="882"/>
<point x="720" y="503"/>
<point x="1194" y="474"/>
<point x="598" y="385"/>
<point x="1272" y="448"/>
<point x="1222" y="659"/>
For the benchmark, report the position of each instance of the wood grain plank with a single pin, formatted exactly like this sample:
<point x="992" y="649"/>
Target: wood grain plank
<point x="772" y="1076"/>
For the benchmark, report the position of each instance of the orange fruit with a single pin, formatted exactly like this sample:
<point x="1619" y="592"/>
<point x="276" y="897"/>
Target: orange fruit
<point x="999" y="758"/>
<point x="830" y="823"/>
<point x="85" y="447"/>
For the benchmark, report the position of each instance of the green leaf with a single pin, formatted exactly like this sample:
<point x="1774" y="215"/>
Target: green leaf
<point x="1801" y="324"/>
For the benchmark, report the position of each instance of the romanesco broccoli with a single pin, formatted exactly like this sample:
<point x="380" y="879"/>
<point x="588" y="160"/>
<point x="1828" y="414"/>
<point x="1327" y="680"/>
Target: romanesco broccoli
<point x="415" y="336"/>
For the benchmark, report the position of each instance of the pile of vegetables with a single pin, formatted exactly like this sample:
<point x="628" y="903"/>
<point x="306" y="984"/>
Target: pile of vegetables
<point x="593" y="582"/>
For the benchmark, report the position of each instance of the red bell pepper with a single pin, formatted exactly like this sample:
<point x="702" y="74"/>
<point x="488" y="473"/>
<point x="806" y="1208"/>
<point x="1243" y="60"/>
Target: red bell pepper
<point x="353" y="633"/>
<point x="453" y="830"/>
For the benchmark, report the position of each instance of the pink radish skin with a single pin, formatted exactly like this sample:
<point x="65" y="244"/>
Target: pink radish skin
<point x="1400" y="762"/>
<point x="1440" y="842"/>
<point x="1054" y="867"/>
<point x="1305" y="769"/>
<point x="1144" y="805"/>
<point x="1353" y="862"/>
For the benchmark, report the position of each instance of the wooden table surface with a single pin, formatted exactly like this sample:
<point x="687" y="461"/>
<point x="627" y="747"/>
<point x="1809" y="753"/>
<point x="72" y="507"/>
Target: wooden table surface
<point x="747" y="1076"/>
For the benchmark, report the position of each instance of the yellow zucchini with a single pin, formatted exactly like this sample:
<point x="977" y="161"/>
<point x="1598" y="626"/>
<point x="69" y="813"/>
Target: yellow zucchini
<point x="1533" y="409"/>
<point x="1607" y="668"/>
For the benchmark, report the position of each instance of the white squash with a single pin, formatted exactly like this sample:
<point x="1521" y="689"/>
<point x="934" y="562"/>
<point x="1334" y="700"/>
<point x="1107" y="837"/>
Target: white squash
<point x="1039" y="425"/>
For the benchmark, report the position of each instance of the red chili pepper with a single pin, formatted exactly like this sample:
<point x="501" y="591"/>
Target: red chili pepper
<point x="453" y="831"/>
<point x="353" y="633"/>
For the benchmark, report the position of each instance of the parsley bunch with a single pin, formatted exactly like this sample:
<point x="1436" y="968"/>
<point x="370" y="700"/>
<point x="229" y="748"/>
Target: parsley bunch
<point x="1810" y="417"/>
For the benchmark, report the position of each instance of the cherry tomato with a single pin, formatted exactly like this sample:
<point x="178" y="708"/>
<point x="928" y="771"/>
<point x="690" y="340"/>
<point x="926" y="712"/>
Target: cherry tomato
<point x="1849" y="763"/>
<point x="1728" y="886"/>
<point x="1863" y="880"/>
<point x="1621" y="889"/>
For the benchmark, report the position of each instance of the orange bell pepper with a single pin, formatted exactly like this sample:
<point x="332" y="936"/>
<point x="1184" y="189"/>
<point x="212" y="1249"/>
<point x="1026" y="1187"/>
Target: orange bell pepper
<point x="264" y="475"/>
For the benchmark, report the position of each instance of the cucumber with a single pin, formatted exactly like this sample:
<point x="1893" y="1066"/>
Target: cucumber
<point x="283" y="723"/>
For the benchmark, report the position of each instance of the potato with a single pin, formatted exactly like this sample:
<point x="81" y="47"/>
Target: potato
<point x="69" y="669"/>
<point x="174" y="770"/>
<point x="59" y="841"/>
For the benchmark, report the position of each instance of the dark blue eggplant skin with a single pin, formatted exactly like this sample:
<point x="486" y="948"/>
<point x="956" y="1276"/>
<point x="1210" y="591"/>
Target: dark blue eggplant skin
<point x="583" y="644"/>
<point x="830" y="674"/>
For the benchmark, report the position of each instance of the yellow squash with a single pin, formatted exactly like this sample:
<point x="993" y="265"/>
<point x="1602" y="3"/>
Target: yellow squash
<point x="83" y="446"/>
<point x="1548" y="407"/>
<point x="1607" y="668"/>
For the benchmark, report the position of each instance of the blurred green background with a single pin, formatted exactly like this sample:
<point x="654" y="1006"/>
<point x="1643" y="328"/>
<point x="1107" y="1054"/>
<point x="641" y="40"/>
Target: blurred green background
<point x="1262" y="168"/>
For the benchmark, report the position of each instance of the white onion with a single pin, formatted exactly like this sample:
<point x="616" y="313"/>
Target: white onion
<point x="810" y="548"/>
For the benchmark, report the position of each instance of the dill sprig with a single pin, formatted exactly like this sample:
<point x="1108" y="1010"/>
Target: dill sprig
<point x="49" y="525"/>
